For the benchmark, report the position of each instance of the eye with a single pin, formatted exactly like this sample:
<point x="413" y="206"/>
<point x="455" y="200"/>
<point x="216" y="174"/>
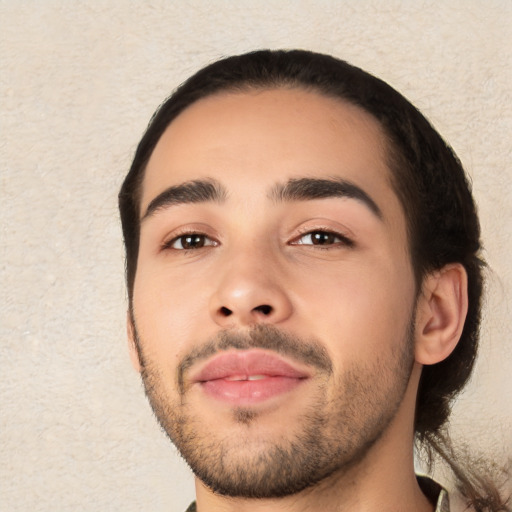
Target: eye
<point x="323" y="238"/>
<point x="189" y="241"/>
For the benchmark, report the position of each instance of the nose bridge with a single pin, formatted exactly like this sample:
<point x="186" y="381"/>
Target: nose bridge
<point x="250" y="287"/>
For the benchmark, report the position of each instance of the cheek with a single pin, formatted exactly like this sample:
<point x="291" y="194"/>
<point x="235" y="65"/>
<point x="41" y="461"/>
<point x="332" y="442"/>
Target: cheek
<point x="358" y="310"/>
<point x="168" y="309"/>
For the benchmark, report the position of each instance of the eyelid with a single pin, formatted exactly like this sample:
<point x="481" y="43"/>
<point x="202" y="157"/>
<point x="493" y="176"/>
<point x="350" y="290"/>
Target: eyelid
<point x="346" y="240"/>
<point x="208" y="242"/>
<point x="171" y="238"/>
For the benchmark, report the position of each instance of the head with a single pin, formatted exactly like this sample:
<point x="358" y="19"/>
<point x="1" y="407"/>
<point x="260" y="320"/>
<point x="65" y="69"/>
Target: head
<point x="426" y="177"/>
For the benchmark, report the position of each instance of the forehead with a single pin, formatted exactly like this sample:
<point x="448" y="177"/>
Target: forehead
<point x="258" y="138"/>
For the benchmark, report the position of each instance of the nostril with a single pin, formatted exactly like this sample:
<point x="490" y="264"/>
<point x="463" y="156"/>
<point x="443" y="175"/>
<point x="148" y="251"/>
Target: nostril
<point x="225" y="311"/>
<point x="265" y="309"/>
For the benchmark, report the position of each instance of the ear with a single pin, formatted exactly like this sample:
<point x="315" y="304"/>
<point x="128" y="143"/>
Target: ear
<point x="132" y="344"/>
<point x="441" y="313"/>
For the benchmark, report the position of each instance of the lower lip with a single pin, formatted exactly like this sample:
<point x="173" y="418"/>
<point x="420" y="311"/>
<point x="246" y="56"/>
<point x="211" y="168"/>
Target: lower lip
<point x="247" y="392"/>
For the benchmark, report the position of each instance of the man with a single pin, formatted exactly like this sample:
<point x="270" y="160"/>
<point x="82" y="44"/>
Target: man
<point x="304" y="282"/>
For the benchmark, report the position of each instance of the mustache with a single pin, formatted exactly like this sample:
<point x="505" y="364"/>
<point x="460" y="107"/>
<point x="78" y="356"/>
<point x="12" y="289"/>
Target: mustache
<point x="268" y="337"/>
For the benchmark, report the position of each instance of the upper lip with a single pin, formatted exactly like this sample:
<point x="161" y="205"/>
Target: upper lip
<point x="244" y="363"/>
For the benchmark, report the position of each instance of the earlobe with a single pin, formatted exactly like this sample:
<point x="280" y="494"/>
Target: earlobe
<point x="132" y="344"/>
<point x="441" y="313"/>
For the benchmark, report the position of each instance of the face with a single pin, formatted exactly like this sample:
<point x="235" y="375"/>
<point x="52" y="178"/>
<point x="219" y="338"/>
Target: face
<point x="274" y="295"/>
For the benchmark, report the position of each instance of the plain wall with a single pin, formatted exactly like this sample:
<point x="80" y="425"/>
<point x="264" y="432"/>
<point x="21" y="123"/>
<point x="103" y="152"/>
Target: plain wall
<point x="79" y="81"/>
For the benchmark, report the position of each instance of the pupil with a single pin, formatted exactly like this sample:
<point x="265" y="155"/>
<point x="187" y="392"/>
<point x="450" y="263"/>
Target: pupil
<point x="193" y="241"/>
<point x="320" y="238"/>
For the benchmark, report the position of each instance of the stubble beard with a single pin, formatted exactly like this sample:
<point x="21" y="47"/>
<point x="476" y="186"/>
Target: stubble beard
<point x="332" y="434"/>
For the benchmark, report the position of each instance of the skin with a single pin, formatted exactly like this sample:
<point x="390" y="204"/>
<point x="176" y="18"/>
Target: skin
<point x="357" y="300"/>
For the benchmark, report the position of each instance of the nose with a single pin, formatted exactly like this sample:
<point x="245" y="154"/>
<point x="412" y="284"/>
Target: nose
<point x="248" y="293"/>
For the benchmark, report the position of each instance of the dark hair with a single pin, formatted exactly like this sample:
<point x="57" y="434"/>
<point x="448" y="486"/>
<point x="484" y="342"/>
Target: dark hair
<point x="426" y="175"/>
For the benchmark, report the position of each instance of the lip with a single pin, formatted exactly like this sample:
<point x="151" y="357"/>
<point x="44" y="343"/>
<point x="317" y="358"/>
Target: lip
<point x="248" y="377"/>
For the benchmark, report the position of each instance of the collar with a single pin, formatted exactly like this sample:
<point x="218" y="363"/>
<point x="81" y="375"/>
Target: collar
<point x="435" y="493"/>
<point x="432" y="490"/>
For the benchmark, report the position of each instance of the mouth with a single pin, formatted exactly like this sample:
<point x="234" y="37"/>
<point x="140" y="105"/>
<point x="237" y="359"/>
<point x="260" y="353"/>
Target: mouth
<point x="249" y="377"/>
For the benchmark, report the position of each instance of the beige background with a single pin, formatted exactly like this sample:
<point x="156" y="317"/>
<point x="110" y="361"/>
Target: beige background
<point x="78" y="83"/>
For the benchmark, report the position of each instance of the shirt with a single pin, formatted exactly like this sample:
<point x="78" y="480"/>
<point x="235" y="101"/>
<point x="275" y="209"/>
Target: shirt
<point x="432" y="490"/>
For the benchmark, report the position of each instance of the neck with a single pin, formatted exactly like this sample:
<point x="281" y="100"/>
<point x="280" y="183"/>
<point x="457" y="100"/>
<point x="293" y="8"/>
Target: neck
<point x="384" y="481"/>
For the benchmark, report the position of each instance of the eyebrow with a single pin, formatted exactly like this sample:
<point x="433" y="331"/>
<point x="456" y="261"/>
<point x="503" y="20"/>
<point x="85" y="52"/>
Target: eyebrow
<point x="303" y="189"/>
<point x="296" y="189"/>
<point x="195" y="191"/>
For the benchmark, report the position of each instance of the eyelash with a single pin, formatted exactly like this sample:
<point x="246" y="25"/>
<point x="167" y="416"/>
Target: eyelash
<point x="342" y="240"/>
<point x="168" y="245"/>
